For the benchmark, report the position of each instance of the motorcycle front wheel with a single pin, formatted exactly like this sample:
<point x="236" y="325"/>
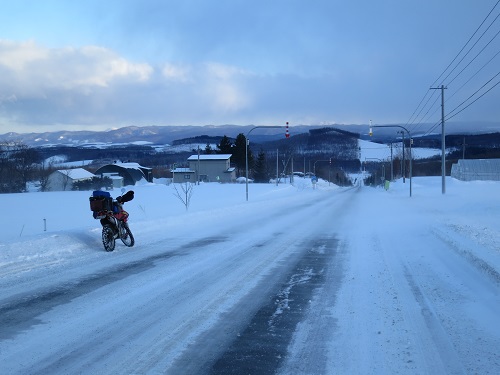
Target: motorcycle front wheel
<point x="126" y="235"/>
<point x="108" y="238"/>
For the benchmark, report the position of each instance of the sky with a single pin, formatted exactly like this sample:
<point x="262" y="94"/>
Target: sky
<point x="410" y="285"/>
<point x="95" y="65"/>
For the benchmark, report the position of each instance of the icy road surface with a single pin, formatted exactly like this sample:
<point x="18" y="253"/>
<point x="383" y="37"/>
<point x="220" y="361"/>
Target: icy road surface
<point x="335" y="282"/>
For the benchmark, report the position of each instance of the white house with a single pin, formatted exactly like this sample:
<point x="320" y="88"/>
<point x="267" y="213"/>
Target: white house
<point x="63" y="179"/>
<point x="180" y="175"/>
<point x="207" y="168"/>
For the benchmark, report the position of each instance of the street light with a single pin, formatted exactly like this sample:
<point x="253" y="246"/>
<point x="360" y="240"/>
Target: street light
<point x="246" y="152"/>
<point x="314" y="165"/>
<point x="409" y="136"/>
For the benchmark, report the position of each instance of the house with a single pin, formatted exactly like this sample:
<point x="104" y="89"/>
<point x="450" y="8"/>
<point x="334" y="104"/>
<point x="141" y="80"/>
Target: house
<point x="180" y="175"/>
<point x="476" y="169"/>
<point x="130" y="172"/>
<point x="63" y="179"/>
<point x="207" y="168"/>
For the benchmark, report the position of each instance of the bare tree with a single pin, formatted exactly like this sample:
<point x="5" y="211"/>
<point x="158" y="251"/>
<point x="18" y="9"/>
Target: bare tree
<point x="43" y="174"/>
<point x="185" y="194"/>
<point x="11" y="180"/>
<point x="26" y="160"/>
<point x="66" y="175"/>
<point x="5" y="168"/>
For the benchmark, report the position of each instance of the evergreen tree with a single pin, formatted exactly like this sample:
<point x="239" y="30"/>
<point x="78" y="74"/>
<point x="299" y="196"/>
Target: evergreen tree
<point x="261" y="173"/>
<point x="239" y="155"/>
<point x="225" y="146"/>
<point x="208" y="149"/>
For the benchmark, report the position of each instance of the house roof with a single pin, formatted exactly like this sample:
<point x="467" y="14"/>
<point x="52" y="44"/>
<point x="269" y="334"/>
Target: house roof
<point x="76" y="173"/>
<point x="182" y="170"/>
<point x="210" y="157"/>
<point x="131" y="172"/>
<point x="131" y="165"/>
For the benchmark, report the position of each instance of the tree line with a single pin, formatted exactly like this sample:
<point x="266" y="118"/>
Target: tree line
<point x="21" y="164"/>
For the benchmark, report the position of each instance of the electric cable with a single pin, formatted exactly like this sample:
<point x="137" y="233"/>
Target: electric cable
<point x="410" y="121"/>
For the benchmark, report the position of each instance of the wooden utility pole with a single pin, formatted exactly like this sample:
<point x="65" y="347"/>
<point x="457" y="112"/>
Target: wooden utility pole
<point x="443" y="145"/>
<point x="463" y="149"/>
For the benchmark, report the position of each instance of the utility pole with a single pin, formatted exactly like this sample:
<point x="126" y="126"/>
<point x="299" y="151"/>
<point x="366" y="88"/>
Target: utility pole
<point x="198" y="168"/>
<point x="392" y="165"/>
<point x="404" y="161"/>
<point x="443" y="145"/>
<point x="463" y="149"/>
<point x="277" y="166"/>
<point x="411" y="142"/>
<point x="247" y="142"/>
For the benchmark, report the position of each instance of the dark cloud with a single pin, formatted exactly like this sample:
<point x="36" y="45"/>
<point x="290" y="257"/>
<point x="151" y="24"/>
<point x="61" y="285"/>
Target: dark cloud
<point x="122" y="62"/>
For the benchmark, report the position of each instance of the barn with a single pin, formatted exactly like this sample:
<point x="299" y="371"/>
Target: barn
<point x="130" y="172"/>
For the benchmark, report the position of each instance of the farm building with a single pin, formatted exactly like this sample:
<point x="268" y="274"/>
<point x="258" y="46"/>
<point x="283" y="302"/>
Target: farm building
<point x="476" y="169"/>
<point x="63" y="179"/>
<point x="130" y="172"/>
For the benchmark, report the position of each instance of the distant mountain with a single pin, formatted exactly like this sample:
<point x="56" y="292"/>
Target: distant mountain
<point x="163" y="135"/>
<point x="151" y="134"/>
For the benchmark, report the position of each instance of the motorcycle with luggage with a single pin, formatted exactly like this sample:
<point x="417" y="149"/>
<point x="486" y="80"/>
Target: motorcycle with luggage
<point x="113" y="218"/>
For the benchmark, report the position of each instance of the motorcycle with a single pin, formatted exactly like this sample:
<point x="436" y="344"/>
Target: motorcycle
<point x="113" y="218"/>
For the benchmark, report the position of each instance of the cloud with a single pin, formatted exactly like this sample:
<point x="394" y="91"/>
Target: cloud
<point x="176" y="73"/>
<point x="224" y="87"/>
<point x="71" y="86"/>
<point x="33" y="70"/>
<point x="123" y="62"/>
<point x="94" y="85"/>
<point x="16" y="56"/>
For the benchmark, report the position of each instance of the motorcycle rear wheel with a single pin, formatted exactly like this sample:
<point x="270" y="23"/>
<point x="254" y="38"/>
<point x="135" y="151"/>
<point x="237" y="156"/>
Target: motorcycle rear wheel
<point x="108" y="238"/>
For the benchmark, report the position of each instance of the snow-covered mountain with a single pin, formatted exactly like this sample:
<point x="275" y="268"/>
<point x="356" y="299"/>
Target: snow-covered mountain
<point x="168" y="134"/>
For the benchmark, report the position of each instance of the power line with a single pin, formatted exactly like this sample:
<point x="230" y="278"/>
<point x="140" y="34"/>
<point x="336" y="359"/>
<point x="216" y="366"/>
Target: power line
<point x="477" y="41"/>
<point x="425" y="117"/>
<point x="474" y="75"/>
<point x="470" y="62"/>
<point x="449" y="116"/>
<point x="420" y="108"/>
<point x="458" y="110"/>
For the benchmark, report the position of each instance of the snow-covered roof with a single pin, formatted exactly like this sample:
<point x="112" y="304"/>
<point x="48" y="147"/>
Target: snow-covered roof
<point x="182" y="170"/>
<point x="130" y="165"/>
<point x="76" y="173"/>
<point x="113" y="176"/>
<point x="210" y="157"/>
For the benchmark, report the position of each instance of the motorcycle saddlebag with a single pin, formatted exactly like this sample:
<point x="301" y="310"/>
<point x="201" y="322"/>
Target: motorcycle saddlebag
<point x="101" y="201"/>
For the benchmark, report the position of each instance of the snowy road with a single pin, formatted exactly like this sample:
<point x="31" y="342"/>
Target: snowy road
<point x="324" y="284"/>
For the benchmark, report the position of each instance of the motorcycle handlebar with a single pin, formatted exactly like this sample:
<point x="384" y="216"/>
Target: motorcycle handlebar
<point x="127" y="197"/>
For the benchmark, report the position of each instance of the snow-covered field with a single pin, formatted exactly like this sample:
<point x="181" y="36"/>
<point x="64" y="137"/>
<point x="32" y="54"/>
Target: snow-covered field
<point x="401" y="285"/>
